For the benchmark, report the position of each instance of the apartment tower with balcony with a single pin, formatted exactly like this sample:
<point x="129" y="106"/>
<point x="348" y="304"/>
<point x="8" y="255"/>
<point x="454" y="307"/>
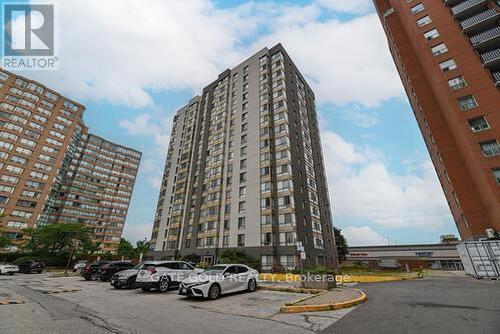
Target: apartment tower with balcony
<point x="448" y="56"/>
<point x="52" y="170"/>
<point x="244" y="171"/>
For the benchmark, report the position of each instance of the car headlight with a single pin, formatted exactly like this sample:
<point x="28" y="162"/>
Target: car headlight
<point x="199" y="283"/>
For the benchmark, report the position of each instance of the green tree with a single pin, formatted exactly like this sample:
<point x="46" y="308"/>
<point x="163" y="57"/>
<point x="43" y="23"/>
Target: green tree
<point x="5" y="241"/>
<point x="142" y="246"/>
<point x="342" y="249"/>
<point x="126" y="249"/>
<point x="236" y="256"/>
<point x="60" y="237"/>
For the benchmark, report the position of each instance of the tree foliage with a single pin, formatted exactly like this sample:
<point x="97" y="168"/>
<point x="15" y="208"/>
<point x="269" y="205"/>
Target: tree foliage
<point x="60" y="237"/>
<point x="341" y="242"/>
<point x="128" y="250"/>
<point x="5" y="241"/>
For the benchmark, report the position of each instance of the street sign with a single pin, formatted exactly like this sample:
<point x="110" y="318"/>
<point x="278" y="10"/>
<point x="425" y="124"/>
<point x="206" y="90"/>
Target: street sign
<point x="299" y="246"/>
<point x="302" y="255"/>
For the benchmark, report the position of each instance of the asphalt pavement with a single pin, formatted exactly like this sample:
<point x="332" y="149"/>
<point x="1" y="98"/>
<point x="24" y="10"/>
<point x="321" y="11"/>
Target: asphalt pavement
<point x="431" y="305"/>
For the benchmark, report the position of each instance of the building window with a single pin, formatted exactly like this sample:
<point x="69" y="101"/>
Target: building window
<point x="242" y="207"/>
<point x="467" y="102"/>
<point x="424" y="21"/>
<point x="243" y="191"/>
<point x="266" y="239"/>
<point x="265" y="220"/>
<point x="288" y="261"/>
<point x="241" y="240"/>
<point x="457" y="83"/>
<point x="431" y="34"/>
<point x="496" y="174"/>
<point x="439" y="49"/>
<point x="490" y="148"/>
<point x="241" y="223"/>
<point x="417" y="8"/>
<point x="266" y="262"/>
<point x="478" y="124"/>
<point x="448" y="65"/>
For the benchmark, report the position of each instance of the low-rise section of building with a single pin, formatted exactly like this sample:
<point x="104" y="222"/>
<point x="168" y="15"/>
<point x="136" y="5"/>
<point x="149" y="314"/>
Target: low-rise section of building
<point x="432" y="256"/>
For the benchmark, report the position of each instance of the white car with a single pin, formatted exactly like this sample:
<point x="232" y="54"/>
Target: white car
<point x="7" y="268"/>
<point x="79" y="266"/>
<point x="220" y="279"/>
<point x="162" y="275"/>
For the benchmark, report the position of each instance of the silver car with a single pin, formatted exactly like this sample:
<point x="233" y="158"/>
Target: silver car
<point x="162" y="275"/>
<point x="220" y="279"/>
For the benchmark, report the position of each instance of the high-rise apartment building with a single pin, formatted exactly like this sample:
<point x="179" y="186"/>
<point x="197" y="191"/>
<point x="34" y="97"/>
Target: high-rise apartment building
<point x="51" y="170"/>
<point x="245" y="170"/>
<point x="96" y="188"/>
<point x="448" y="56"/>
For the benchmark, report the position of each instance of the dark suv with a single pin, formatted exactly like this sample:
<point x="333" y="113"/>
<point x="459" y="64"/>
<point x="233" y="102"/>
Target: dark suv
<point x="91" y="271"/>
<point x="31" y="266"/>
<point x="107" y="270"/>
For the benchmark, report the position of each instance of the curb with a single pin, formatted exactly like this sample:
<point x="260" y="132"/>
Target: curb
<point x="10" y="302"/>
<point x="291" y="308"/>
<point x="60" y="291"/>
<point x="314" y="292"/>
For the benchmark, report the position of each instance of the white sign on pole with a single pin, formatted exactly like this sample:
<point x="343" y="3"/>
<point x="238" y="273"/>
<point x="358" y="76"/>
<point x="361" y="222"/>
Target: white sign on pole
<point x="302" y="255"/>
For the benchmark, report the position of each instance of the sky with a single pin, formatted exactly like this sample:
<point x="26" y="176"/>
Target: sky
<point x="133" y="63"/>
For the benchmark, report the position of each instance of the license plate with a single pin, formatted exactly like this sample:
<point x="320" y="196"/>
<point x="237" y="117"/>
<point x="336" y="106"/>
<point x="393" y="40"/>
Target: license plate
<point x="183" y="290"/>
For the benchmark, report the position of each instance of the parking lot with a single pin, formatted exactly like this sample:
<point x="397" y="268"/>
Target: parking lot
<point x="73" y="305"/>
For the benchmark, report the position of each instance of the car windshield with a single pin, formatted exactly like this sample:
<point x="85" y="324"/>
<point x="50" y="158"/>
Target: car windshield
<point x="214" y="270"/>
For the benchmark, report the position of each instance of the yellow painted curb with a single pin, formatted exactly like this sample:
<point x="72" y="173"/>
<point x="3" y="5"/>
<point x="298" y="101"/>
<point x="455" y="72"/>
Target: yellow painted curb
<point x="324" y="307"/>
<point x="9" y="302"/>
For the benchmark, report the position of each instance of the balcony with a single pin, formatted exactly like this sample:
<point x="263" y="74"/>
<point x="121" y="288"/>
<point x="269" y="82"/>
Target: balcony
<point x="491" y="58"/>
<point x="479" y="22"/>
<point x="496" y="78"/>
<point x="467" y="8"/>
<point x="487" y="40"/>
<point x="451" y="3"/>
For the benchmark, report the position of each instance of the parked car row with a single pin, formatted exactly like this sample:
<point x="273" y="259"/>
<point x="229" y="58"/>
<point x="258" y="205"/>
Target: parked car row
<point x="26" y="267"/>
<point x="165" y="275"/>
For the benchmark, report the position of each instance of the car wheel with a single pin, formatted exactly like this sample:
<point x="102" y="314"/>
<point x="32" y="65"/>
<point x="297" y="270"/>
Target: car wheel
<point x="94" y="277"/>
<point x="164" y="285"/>
<point x="146" y="289"/>
<point x="131" y="283"/>
<point x="214" y="292"/>
<point x="39" y="271"/>
<point x="252" y="285"/>
<point x="11" y="273"/>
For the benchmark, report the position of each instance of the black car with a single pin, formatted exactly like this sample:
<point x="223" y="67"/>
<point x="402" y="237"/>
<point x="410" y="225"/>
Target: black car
<point x="107" y="270"/>
<point x="31" y="266"/>
<point x="91" y="271"/>
<point x="125" y="278"/>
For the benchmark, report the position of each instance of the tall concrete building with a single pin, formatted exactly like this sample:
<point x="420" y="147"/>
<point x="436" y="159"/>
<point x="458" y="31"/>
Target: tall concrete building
<point x="245" y="170"/>
<point x="448" y="56"/>
<point x="51" y="170"/>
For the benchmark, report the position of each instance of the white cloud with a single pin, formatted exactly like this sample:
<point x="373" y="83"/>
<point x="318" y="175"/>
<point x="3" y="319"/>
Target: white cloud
<point x="135" y="232"/>
<point x="122" y="52"/>
<point x="361" y="119"/>
<point x="362" y="236"/>
<point x="363" y="189"/>
<point x="344" y="61"/>
<point x="347" y="6"/>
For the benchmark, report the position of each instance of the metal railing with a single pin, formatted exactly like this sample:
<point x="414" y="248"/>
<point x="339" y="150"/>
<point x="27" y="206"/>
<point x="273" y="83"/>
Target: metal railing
<point x="465" y="5"/>
<point x="491" y="55"/>
<point x="496" y="76"/>
<point x="488" y="34"/>
<point x="478" y="18"/>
